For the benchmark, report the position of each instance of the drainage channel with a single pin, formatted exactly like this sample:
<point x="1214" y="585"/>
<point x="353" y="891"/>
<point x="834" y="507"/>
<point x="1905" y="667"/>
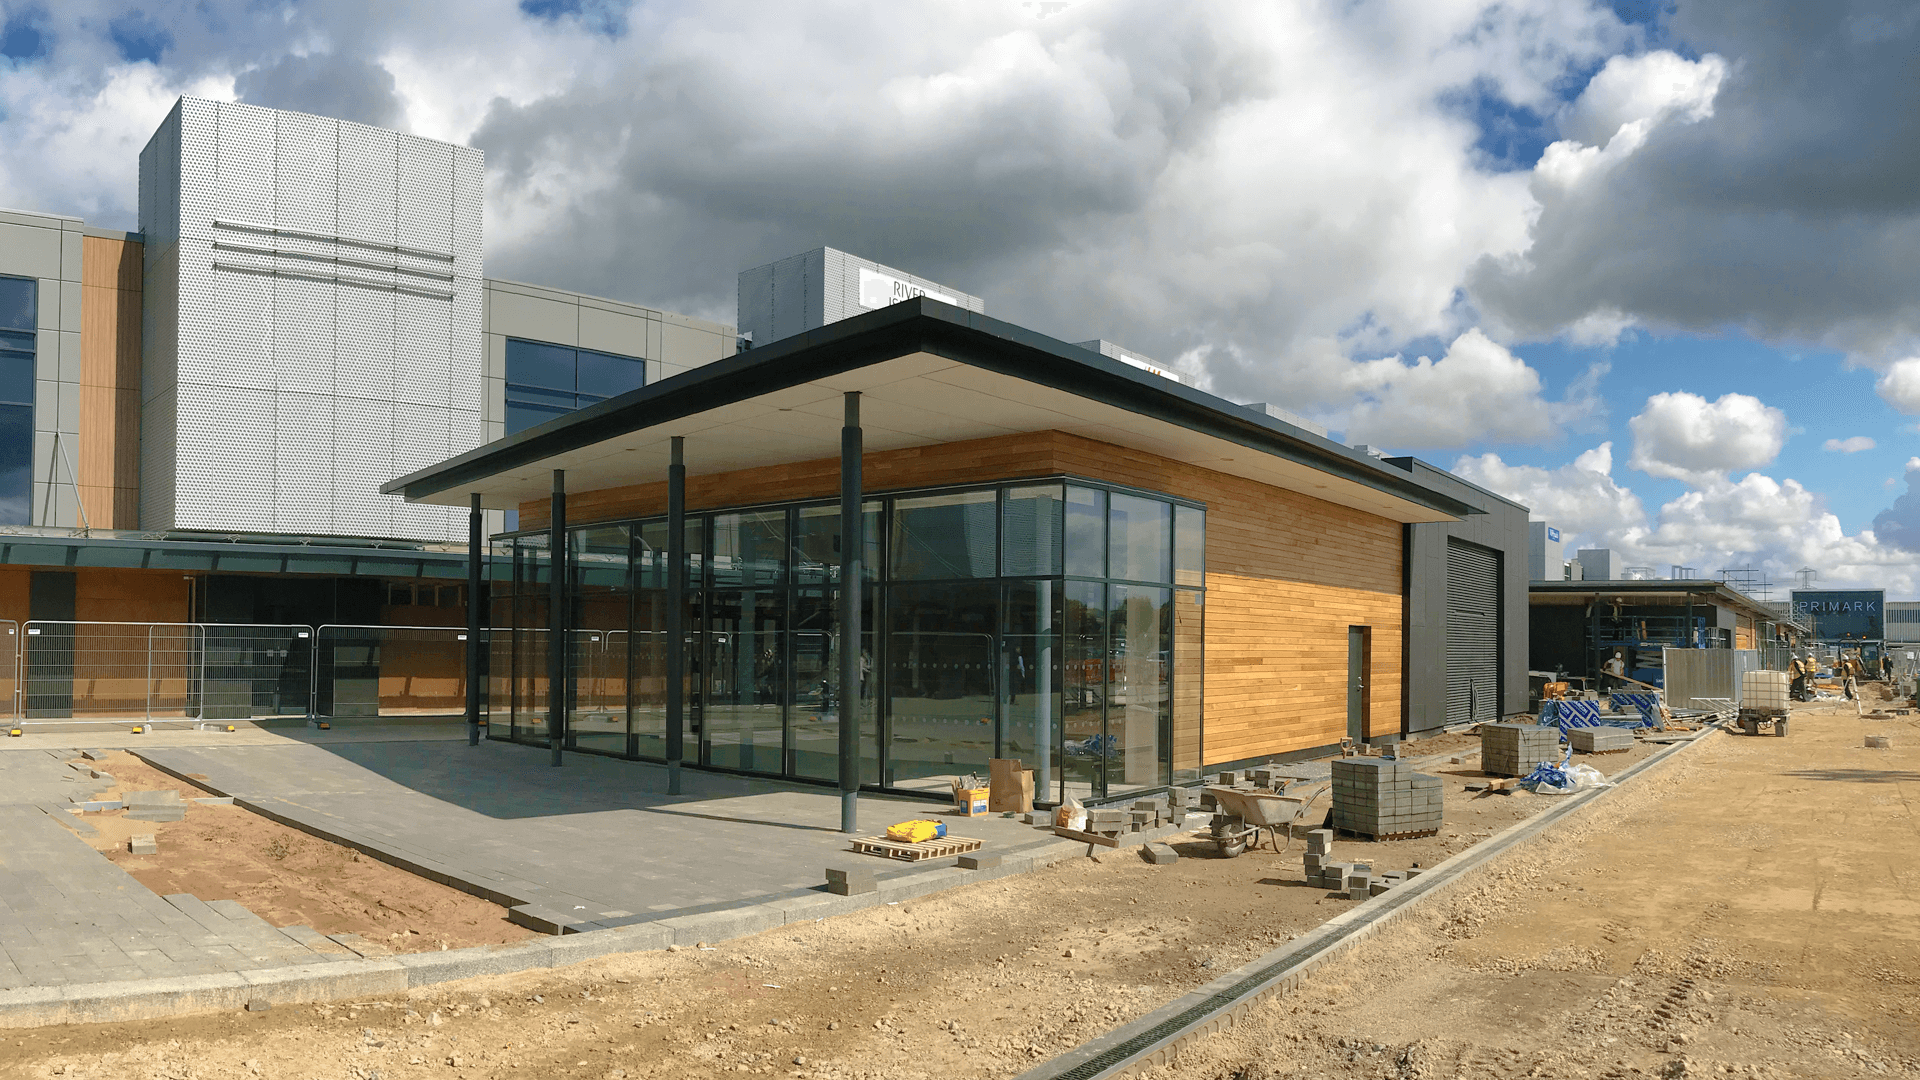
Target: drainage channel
<point x="1154" y="1039"/>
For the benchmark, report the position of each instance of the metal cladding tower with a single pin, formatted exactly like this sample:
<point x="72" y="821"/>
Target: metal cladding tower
<point x="312" y="324"/>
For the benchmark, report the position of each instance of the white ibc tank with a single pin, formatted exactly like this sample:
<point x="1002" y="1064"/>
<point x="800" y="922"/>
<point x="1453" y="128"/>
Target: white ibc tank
<point x="1764" y="690"/>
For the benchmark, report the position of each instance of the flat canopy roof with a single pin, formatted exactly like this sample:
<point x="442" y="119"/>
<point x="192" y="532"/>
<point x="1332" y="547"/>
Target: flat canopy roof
<point x="1684" y="590"/>
<point x="928" y="373"/>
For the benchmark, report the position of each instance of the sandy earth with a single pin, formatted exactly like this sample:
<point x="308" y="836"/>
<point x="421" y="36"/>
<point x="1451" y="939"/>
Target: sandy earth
<point x="978" y="982"/>
<point x="285" y="876"/>
<point x="1752" y="911"/>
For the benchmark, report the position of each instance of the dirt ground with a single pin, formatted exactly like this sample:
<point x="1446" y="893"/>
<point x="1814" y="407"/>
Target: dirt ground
<point x="1753" y="911"/>
<point x="285" y="876"/>
<point x="981" y="982"/>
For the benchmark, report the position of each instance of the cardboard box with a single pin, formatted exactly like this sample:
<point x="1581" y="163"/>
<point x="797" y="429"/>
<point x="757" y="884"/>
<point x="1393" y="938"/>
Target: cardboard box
<point x="1010" y="787"/>
<point x="970" y="801"/>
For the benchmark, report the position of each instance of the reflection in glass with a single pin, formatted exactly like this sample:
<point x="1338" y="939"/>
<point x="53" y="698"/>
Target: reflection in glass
<point x="813" y="734"/>
<point x="527" y="668"/>
<point x="599" y="639"/>
<point x="816" y="557"/>
<point x="1140" y="539"/>
<point x="1189" y="546"/>
<point x="941" y="668"/>
<point x="1083" y="685"/>
<point x="750" y="549"/>
<point x="1031" y="530"/>
<point x="1140" y="637"/>
<point x="1189" y="643"/>
<point x="1029" y="676"/>
<point x="1086" y="532"/>
<point x="743" y="707"/>
<point x="944" y="536"/>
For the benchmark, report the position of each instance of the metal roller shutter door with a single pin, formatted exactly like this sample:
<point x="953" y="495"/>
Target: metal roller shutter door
<point x="1473" y="634"/>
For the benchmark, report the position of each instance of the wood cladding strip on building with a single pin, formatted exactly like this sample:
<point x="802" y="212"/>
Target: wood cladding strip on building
<point x="107" y="452"/>
<point x="1287" y="574"/>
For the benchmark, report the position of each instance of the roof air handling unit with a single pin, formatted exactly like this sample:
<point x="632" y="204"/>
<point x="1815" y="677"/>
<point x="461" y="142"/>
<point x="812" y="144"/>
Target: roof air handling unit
<point x="807" y="291"/>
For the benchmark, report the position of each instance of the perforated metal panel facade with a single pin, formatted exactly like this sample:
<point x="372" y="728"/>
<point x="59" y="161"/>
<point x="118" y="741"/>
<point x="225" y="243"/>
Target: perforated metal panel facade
<point x="313" y="322"/>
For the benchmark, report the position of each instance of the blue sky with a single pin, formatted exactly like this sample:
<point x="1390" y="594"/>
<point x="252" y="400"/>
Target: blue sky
<point x="1681" y="233"/>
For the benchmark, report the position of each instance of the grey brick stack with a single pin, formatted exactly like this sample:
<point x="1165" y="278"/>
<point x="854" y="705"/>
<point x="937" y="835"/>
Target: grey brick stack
<point x="1514" y="749"/>
<point x="1600" y="740"/>
<point x="1384" y="797"/>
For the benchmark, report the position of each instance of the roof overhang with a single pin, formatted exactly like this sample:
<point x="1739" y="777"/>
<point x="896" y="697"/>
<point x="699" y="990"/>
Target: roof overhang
<point x="928" y="373"/>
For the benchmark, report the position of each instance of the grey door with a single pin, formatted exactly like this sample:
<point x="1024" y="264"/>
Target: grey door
<point x="1473" y="633"/>
<point x="1357" y="682"/>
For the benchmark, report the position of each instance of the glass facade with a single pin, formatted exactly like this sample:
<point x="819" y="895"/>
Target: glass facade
<point x="1055" y="621"/>
<point x="19" y="318"/>
<point x="546" y="380"/>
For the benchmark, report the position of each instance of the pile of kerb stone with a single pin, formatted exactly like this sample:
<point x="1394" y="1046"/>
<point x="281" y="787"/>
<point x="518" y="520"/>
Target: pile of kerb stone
<point x="1385" y="799"/>
<point x="1600" y="740"/>
<point x="1355" y="879"/>
<point x="1144" y="815"/>
<point x="1514" y="749"/>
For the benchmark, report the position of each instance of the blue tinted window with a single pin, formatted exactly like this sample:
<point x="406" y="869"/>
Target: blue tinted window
<point x="521" y="417"/>
<point x="531" y="395"/>
<point x="16" y="377"/>
<point x="16" y="464"/>
<point x="535" y="363"/>
<point x="19" y="304"/>
<point x="608" y="375"/>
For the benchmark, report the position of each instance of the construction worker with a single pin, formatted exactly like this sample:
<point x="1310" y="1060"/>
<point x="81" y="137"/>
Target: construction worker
<point x="1849" y="670"/>
<point x="1800" y="676"/>
<point x="1886" y="666"/>
<point x="1612" y="671"/>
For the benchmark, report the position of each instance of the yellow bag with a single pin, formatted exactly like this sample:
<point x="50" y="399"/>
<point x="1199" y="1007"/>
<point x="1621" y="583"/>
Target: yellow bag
<point x="912" y="832"/>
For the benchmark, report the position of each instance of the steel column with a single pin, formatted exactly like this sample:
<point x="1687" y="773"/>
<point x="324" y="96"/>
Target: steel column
<point x="676" y="605"/>
<point x="852" y="544"/>
<point x="475" y="555"/>
<point x="559" y="672"/>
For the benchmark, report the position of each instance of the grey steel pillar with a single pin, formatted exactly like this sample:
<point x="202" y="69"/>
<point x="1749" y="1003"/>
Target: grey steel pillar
<point x="852" y="544"/>
<point x="475" y="560"/>
<point x="676" y="607"/>
<point x="559" y="672"/>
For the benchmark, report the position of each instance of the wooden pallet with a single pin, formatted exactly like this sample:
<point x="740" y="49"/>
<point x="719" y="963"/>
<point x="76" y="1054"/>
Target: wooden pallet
<point x="942" y="848"/>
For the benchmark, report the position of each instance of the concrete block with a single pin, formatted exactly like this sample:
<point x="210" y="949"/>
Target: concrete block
<point x="143" y="844"/>
<point x="979" y="861"/>
<point x="94" y="755"/>
<point x="722" y="925"/>
<point x="593" y="944"/>
<point x="1357" y="892"/>
<point x="1377" y="887"/>
<point x="1160" y="854"/>
<point x="330" y="981"/>
<point x="424" y="969"/>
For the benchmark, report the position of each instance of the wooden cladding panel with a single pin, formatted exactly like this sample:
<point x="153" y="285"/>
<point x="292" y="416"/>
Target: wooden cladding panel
<point x="1287" y="574"/>
<point x="108" y="450"/>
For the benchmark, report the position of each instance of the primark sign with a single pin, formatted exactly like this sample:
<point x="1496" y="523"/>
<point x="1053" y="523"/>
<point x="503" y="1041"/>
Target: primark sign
<point x="1843" y="614"/>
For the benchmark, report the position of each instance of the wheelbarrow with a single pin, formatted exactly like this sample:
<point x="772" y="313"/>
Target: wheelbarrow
<point x="1242" y="814"/>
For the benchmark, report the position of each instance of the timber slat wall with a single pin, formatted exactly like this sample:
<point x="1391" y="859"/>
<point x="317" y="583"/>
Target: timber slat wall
<point x="108" y="447"/>
<point x="1287" y="574"/>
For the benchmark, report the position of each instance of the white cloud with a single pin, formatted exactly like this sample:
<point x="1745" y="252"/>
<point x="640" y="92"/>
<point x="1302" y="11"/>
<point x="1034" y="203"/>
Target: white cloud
<point x="1775" y="525"/>
<point x="1581" y="498"/>
<point x="1850" y="445"/>
<point x="1900" y="386"/>
<point x="1684" y="436"/>
<point x="1645" y="89"/>
<point x="1477" y="389"/>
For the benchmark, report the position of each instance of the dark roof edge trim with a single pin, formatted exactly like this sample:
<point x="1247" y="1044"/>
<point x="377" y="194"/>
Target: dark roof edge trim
<point x="913" y="326"/>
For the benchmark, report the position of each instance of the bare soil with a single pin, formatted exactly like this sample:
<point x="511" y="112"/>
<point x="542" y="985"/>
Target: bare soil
<point x="982" y="982"/>
<point x="286" y="876"/>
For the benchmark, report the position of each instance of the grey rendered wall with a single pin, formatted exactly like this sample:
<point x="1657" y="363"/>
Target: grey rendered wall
<point x="1504" y="529"/>
<point x="46" y="247"/>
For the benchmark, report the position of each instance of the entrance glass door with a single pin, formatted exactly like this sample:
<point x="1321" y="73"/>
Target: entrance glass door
<point x="942" y="667"/>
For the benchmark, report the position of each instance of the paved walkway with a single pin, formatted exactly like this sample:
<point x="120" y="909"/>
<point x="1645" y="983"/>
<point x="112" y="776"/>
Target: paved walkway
<point x="69" y="915"/>
<point x="594" y="843"/>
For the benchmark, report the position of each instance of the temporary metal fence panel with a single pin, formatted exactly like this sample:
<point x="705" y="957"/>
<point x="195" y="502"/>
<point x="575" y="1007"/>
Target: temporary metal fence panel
<point x="112" y="672"/>
<point x="1697" y="674"/>
<point x="390" y="671"/>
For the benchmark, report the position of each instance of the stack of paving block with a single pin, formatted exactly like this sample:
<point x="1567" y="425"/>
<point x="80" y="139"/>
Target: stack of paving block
<point x="1384" y="798"/>
<point x="1318" y="861"/>
<point x="1514" y="749"/>
<point x="1145" y="814"/>
<point x="1600" y="740"/>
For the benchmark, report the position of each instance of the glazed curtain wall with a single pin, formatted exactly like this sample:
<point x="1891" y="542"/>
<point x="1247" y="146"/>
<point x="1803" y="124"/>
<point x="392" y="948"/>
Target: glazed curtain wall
<point x="1056" y="621"/>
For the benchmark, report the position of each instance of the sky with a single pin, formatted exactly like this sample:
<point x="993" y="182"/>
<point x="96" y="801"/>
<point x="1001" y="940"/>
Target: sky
<point x="1650" y="267"/>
